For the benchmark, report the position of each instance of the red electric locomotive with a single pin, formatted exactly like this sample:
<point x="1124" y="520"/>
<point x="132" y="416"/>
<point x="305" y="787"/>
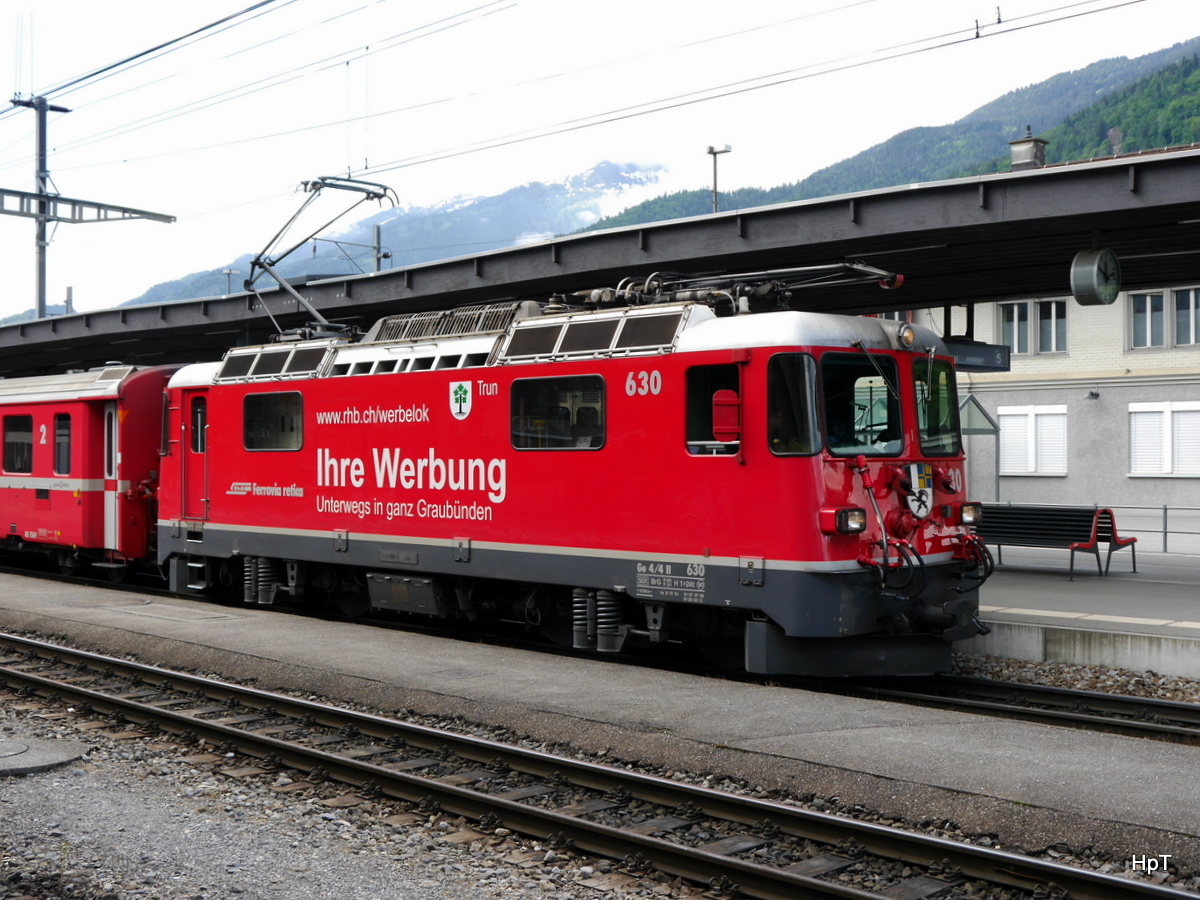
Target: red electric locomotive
<point x="81" y="459"/>
<point x="657" y="464"/>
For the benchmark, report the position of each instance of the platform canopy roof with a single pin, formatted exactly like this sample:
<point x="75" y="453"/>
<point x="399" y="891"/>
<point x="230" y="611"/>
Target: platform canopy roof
<point x="957" y="242"/>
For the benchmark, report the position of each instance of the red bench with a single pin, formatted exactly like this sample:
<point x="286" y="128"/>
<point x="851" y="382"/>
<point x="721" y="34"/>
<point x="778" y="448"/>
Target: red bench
<point x="1068" y="527"/>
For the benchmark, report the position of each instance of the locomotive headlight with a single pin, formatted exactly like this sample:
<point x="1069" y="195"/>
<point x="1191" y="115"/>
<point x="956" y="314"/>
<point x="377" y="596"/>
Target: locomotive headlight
<point x="907" y="336"/>
<point x="851" y="520"/>
<point x="970" y="513"/>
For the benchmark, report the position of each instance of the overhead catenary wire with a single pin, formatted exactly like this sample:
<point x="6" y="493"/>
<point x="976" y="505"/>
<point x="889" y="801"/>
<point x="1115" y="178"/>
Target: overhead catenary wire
<point x="730" y="89"/>
<point x="277" y="79"/>
<point x="923" y="45"/>
<point x="889" y="53"/>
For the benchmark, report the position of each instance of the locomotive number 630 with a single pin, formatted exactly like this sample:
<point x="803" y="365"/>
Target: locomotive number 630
<point x="643" y="383"/>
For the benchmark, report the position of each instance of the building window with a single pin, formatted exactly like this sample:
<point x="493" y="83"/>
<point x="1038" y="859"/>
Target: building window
<point x="1048" y="316"/>
<point x="1187" y="322"/>
<point x="1164" y="438"/>
<point x="1164" y="319"/>
<point x="1014" y="326"/>
<point x="1052" y="326"/>
<point x="1033" y="440"/>
<point x="1148" y="320"/>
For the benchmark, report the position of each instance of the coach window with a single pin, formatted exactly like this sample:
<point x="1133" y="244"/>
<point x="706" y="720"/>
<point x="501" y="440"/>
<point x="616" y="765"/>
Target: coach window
<point x="702" y="383"/>
<point x="18" y="443"/>
<point x="861" y="404"/>
<point x="792" y="405"/>
<point x="62" y="444"/>
<point x="558" y="413"/>
<point x="273" y="421"/>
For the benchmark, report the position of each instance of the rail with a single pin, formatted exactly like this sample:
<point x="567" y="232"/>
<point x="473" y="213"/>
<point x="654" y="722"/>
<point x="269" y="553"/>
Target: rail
<point x="668" y="825"/>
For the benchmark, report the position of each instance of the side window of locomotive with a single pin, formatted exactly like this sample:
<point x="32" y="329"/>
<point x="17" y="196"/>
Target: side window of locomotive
<point x="558" y="413"/>
<point x="273" y="421"/>
<point x="702" y="383"/>
<point x="937" y="407"/>
<point x="18" y="443"/>
<point x="199" y="422"/>
<point x="62" y="444"/>
<point x="861" y="405"/>
<point x="792" y="405"/>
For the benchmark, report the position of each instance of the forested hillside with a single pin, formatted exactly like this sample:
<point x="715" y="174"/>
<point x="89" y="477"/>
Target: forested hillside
<point x="1151" y="101"/>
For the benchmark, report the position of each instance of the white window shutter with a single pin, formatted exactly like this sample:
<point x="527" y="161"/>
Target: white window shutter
<point x="1186" y="442"/>
<point x="1051" y="442"/>
<point x="1014" y="444"/>
<point x="1146" y="443"/>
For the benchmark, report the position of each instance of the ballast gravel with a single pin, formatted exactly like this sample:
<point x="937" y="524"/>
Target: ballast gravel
<point x="135" y="820"/>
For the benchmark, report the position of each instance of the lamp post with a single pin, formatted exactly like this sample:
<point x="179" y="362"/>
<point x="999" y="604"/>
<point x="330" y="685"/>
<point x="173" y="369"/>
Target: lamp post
<point x="228" y="273"/>
<point x="715" y="153"/>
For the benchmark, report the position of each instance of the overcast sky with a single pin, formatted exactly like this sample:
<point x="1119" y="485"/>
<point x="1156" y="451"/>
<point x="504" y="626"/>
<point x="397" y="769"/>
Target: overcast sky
<point x="443" y="98"/>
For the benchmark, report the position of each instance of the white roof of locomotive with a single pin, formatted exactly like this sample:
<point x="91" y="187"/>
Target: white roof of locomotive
<point x="787" y="328"/>
<point x="700" y="330"/>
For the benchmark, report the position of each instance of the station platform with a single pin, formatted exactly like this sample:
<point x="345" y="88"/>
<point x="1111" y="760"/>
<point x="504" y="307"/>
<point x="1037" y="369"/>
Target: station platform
<point x="1148" y="620"/>
<point x="1024" y="785"/>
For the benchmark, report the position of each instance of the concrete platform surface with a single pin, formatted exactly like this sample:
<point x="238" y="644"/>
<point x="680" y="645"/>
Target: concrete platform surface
<point x="1143" y="620"/>
<point x="1027" y="783"/>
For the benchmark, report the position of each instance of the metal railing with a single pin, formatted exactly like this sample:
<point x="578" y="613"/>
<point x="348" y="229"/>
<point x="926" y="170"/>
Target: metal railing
<point x="1158" y="520"/>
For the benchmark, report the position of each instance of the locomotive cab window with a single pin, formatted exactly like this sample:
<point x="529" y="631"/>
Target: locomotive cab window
<point x="703" y="382"/>
<point x="937" y="407"/>
<point x="18" y="443"/>
<point x="558" y="413"/>
<point x="861" y="405"/>
<point x="273" y="421"/>
<point x="792" y="405"/>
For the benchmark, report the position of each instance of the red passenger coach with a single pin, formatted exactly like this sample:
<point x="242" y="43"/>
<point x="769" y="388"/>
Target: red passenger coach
<point x="81" y="465"/>
<point x="661" y="464"/>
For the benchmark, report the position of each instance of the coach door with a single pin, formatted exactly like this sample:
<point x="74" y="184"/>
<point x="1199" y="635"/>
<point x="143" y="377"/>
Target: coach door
<point x="112" y="460"/>
<point x="195" y="455"/>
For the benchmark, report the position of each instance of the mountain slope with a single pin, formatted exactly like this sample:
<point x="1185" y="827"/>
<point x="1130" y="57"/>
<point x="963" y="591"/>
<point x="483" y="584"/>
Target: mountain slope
<point x="456" y="227"/>
<point x="978" y="142"/>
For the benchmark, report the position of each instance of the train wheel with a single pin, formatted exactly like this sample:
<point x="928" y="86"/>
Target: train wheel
<point x="68" y="563"/>
<point x="352" y="603"/>
<point x="117" y="575"/>
<point x="720" y="637"/>
<point x="549" y="619"/>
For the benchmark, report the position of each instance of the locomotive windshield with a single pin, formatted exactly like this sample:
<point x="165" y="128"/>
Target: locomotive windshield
<point x="791" y="403"/>
<point x="937" y="407"/>
<point x="862" y="405"/>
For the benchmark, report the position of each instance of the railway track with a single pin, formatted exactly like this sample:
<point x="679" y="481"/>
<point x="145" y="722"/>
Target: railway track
<point x="733" y="845"/>
<point x="1115" y="713"/>
<point x="1118" y="713"/>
